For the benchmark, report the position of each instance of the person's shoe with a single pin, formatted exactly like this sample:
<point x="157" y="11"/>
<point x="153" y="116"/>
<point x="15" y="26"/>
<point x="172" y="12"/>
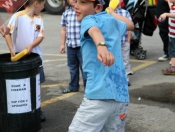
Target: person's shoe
<point x="129" y="84"/>
<point x="67" y="90"/>
<point x="43" y="118"/>
<point x="130" y="73"/>
<point x="163" y="58"/>
<point x="168" y="71"/>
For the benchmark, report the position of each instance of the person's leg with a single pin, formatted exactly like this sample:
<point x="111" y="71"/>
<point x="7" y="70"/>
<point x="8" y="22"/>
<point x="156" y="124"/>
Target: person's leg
<point x="73" y="68"/>
<point x="116" y="121"/>
<point x="42" y="79"/>
<point x="163" y="32"/>
<point x="172" y="56"/>
<point x="79" y="56"/>
<point x="91" y="116"/>
<point x="161" y="8"/>
<point x="125" y="52"/>
<point x="171" y="49"/>
<point x="128" y="65"/>
<point x="173" y="64"/>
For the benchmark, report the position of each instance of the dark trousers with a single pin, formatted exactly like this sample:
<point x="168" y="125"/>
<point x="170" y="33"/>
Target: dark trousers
<point x="74" y="61"/>
<point x="161" y="8"/>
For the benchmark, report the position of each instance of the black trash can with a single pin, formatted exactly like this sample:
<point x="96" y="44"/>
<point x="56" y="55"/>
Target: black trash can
<point x="20" y="94"/>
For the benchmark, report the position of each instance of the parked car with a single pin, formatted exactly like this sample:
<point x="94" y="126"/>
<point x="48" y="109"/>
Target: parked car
<point x="54" y="6"/>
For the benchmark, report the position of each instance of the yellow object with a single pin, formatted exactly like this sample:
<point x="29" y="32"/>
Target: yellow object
<point x="152" y="2"/>
<point x="113" y="4"/>
<point x="19" y="55"/>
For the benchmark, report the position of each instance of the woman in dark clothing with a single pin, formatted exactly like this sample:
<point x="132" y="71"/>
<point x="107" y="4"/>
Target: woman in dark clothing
<point x="162" y="7"/>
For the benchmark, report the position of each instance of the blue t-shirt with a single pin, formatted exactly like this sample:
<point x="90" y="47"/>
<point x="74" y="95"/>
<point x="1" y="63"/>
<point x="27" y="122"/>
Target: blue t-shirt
<point x="104" y="82"/>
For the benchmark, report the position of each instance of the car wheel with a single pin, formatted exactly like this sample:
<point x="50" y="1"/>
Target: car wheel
<point x="54" y="6"/>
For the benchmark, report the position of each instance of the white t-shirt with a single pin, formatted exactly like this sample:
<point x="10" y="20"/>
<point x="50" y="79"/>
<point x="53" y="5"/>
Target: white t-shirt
<point x="25" y="30"/>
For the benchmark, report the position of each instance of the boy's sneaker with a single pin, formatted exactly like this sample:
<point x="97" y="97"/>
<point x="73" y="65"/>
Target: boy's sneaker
<point x="168" y="71"/>
<point x="130" y="73"/>
<point x="163" y="58"/>
<point x="129" y="84"/>
<point x="42" y="116"/>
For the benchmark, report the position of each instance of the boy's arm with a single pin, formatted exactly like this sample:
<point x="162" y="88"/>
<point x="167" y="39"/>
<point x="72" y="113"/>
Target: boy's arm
<point x="9" y="44"/>
<point x="129" y="23"/>
<point x="35" y="43"/>
<point x="104" y="56"/>
<point x="63" y="39"/>
<point x="165" y="15"/>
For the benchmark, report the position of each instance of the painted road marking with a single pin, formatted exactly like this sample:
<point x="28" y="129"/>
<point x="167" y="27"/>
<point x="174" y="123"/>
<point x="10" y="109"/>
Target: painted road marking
<point x="53" y="100"/>
<point x="145" y="64"/>
<point x="56" y="85"/>
<point x="45" y="61"/>
<point x="55" y="55"/>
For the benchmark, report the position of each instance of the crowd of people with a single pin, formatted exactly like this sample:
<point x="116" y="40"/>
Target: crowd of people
<point x="105" y="103"/>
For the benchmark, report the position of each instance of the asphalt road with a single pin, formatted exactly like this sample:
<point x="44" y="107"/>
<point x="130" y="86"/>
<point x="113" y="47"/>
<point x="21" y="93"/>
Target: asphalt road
<point x="152" y="94"/>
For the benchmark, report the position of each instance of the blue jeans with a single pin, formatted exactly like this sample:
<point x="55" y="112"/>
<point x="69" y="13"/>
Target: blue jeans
<point x="171" y="48"/>
<point x="74" y="61"/>
<point x="42" y="75"/>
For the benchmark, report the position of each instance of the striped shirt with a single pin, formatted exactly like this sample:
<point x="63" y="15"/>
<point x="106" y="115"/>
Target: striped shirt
<point x="172" y="23"/>
<point x="124" y="13"/>
<point x="72" y="28"/>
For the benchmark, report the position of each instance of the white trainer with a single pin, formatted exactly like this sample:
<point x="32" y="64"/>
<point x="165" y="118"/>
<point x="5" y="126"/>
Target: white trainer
<point x="163" y="58"/>
<point x="130" y="73"/>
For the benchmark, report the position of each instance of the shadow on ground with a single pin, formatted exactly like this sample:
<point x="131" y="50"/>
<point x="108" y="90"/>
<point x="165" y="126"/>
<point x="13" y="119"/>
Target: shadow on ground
<point x="163" y="92"/>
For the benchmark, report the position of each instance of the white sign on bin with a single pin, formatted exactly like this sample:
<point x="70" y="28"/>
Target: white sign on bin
<point x="38" y="94"/>
<point x="18" y="95"/>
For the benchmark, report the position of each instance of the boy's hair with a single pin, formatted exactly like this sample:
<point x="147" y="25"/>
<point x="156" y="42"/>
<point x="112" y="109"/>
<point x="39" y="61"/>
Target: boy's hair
<point x="30" y="2"/>
<point x="105" y="3"/>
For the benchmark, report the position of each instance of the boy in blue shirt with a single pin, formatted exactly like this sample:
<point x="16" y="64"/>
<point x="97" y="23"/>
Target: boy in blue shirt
<point x="105" y="103"/>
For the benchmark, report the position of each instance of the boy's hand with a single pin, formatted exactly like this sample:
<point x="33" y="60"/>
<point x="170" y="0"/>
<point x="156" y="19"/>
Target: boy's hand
<point x="12" y="52"/>
<point x="162" y="17"/>
<point x="104" y="56"/>
<point x="4" y="30"/>
<point x="29" y="49"/>
<point x="110" y="10"/>
<point x="62" y="49"/>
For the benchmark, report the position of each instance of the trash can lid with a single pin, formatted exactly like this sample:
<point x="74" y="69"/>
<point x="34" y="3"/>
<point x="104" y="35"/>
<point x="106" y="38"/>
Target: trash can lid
<point x="30" y="61"/>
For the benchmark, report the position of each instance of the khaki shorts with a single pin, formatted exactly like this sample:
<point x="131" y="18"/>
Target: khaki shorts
<point x="99" y="116"/>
